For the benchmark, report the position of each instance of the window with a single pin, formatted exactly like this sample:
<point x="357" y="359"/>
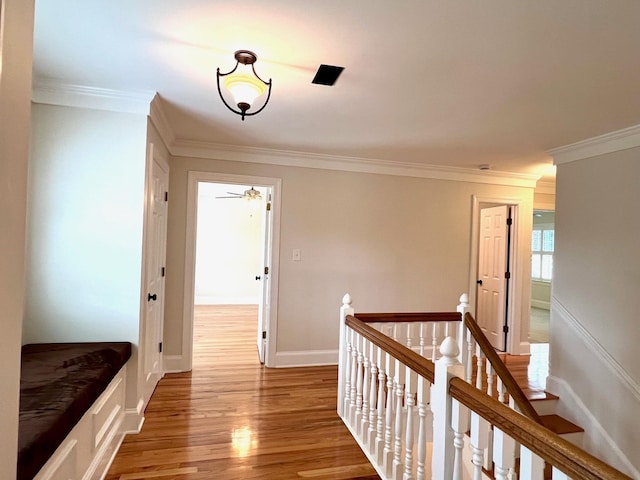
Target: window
<point x="542" y="240"/>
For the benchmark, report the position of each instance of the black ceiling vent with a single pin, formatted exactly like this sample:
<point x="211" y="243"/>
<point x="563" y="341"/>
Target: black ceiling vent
<point x="327" y="74"/>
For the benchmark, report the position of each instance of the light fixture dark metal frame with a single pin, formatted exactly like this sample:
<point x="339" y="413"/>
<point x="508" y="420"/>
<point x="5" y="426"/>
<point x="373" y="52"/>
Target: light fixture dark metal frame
<point x="245" y="57"/>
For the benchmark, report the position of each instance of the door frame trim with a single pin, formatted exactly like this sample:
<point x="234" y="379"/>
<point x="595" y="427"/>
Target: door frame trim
<point x="194" y="177"/>
<point x="519" y="305"/>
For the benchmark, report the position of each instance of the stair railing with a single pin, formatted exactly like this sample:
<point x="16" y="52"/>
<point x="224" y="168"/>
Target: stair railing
<point x="416" y="419"/>
<point x="489" y="365"/>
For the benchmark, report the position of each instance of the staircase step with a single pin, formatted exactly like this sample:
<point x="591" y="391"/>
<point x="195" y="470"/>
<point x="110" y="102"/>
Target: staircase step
<point x="544" y="403"/>
<point x="563" y="427"/>
<point x="560" y="425"/>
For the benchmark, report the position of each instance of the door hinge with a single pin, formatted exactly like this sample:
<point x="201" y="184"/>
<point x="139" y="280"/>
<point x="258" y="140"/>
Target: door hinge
<point x="266" y="270"/>
<point x="268" y="206"/>
<point x="505" y="329"/>
<point x="264" y="334"/>
<point x="509" y="221"/>
<point x="160" y="347"/>
<point x="507" y="275"/>
<point x="166" y="196"/>
<point x="163" y="270"/>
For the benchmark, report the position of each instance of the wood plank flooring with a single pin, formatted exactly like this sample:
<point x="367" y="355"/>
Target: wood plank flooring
<point x="232" y="418"/>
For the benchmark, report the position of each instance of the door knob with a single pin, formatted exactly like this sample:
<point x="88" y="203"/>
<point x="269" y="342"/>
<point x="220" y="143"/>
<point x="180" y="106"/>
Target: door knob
<point x="479" y="282"/>
<point x="258" y="277"/>
<point x="153" y="297"/>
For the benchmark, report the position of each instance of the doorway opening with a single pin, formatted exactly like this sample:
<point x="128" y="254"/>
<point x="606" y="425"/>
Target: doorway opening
<point x="509" y="322"/>
<point x="542" y="248"/>
<point x="231" y="255"/>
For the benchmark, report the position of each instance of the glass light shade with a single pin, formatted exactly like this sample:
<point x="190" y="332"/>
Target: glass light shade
<point x="244" y="88"/>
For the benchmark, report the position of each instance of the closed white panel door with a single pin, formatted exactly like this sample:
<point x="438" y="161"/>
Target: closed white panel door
<point x="492" y="272"/>
<point x="155" y="254"/>
<point x="264" y="305"/>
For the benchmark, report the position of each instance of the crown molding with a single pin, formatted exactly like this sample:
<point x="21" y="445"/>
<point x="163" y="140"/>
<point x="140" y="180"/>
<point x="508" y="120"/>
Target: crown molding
<point x="54" y="92"/>
<point x="196" y="149"/>
<point x="609" y="142"/>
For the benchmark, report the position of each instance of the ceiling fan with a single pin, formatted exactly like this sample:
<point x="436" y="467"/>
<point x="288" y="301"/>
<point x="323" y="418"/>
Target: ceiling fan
<point x="249" y="194"/>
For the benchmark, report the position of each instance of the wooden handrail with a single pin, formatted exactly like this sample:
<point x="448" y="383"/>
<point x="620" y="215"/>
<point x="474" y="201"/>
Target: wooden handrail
<point x="422" y="366"/>
<point x="575" y="462"/>
<point x="520" y="399"/>
<point x="409" y="317"/>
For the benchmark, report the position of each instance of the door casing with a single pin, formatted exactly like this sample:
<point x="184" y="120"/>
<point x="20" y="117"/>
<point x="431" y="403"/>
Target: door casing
<point x="518" y="311"/>
<point x="195" y="177"/>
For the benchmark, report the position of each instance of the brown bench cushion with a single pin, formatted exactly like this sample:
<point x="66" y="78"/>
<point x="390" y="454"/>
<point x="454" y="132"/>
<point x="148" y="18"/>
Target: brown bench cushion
<point x="58" y="383"/>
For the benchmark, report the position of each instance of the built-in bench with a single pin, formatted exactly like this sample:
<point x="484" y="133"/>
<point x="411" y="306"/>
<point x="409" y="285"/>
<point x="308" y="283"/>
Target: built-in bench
<point x="71" y="403"/>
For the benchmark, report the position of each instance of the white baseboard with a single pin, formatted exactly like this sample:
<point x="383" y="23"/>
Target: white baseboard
<point x="573" y="403"/>
<point x="541" y="304"/>
<point x="133" y="419"/>
<point x="306" y="358"/>
<point x="174" y="364"/>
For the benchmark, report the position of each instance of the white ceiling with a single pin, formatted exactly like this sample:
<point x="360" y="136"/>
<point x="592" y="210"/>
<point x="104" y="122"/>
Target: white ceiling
<point x="437" y="82"/>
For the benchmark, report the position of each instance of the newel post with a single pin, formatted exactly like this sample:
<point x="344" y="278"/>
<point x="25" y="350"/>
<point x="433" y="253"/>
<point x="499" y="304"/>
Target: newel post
<point x="343" y="355"/>
<point x="463" y="334"/>
<point x="446" y="368"/>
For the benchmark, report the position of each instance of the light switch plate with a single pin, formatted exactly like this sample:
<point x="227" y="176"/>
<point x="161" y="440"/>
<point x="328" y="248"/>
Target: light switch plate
<point x="297" y="255"/>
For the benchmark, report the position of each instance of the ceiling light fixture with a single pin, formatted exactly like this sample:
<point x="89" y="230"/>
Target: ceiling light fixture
<point x="244" y="84"/>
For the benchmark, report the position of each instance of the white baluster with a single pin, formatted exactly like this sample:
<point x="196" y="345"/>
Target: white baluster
<point x="479" y="441"/>
<point x="359" y="378"/>
<point x="460" y="425"/>
<point x="371" y="433"/>
<point x="504" y="449"/>
<point x="558" y="475"/>
<point x="410" y="391"/>
<point x="531" y="465"/>
<point x="363" y="426"/>
<point x="344" y="355"/>
<point x="479" y="365"/>
<point x="354" y="377"/>
<point x="423" y="400"/>
<point x="490" y="375"/>
<point x="379" y="445"/>
<point x="409" y="335"/>
<point x="388" y="419"/>
<point x="443" y="450"/>
<point x="423" y="328"/>
<point x="434" y="342"/>
<point x="399" y="382"/>
<point x="469" y="372"/>
<point x="501" y="390"/>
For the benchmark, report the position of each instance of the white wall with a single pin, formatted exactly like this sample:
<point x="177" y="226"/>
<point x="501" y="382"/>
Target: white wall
<point x="595" y="327"/>
<point x="16" y="46"/>
<point x="394" y="243"/>
<point x="84" y="249"/>
<point x="228" y="246"/>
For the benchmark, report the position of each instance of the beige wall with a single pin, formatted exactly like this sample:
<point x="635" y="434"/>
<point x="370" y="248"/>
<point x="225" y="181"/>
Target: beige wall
<point x="394" y="243"/>
<point x="16" y="46"/>
<point x="85" y="219"/>
<point x="596" y="283"/>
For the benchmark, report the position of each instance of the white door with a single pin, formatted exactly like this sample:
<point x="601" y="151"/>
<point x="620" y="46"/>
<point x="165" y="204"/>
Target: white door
<point x="493" y="274"/>
<point x="155" y="253"/>
<point x="264" y="307"/>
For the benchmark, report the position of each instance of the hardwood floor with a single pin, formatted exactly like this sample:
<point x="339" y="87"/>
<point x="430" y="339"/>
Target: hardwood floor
<point x="232" y="418"/>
